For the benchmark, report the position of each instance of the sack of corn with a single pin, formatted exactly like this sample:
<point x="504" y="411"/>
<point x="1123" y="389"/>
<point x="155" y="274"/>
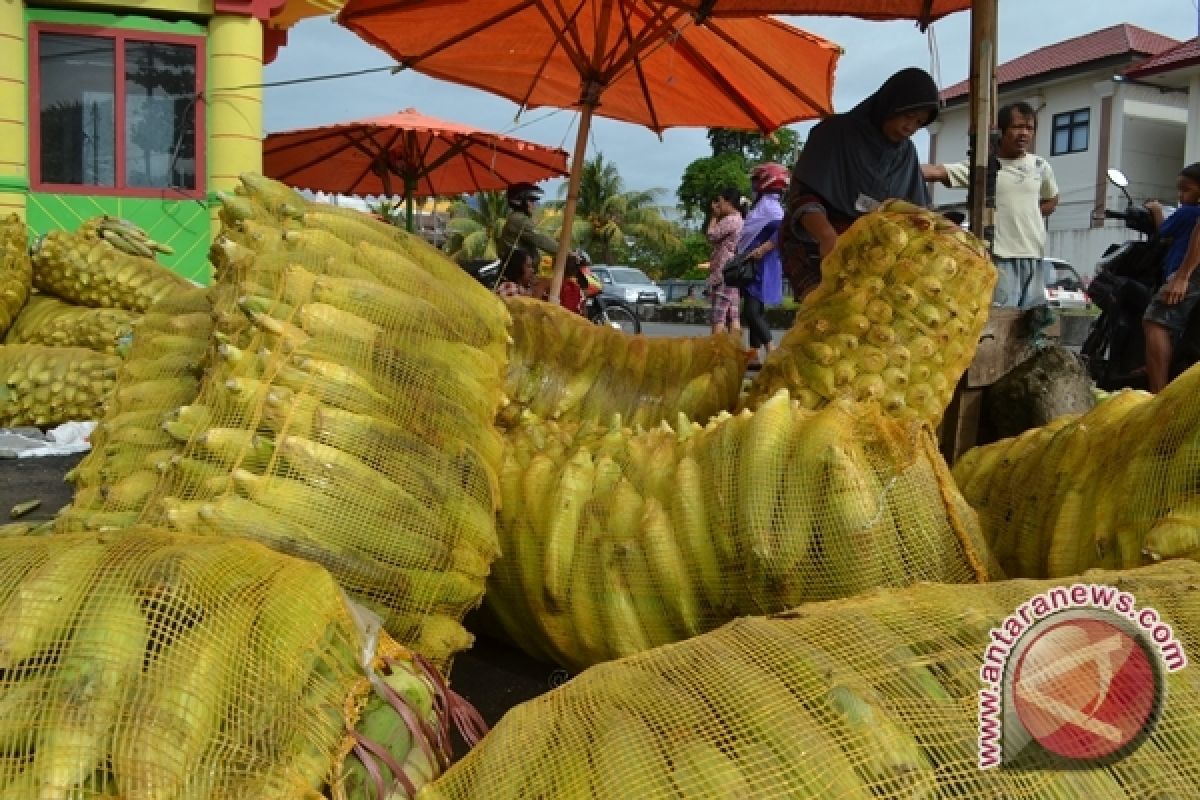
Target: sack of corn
<point x="46" y="386"/>
<point x="151" y="665"/>
<point x="867" y="698"/>
<point x="103" y="265"/>
<point x="1113" y="488"/>
<point x="561" y="366"/>
<point x="49" y="321"/>
<point x="903" y="298"/>
<point x="614" y="542"/>
<point x="16" y="274"/>
<point x="345" y="419"/>
<point x="131" y="446"/>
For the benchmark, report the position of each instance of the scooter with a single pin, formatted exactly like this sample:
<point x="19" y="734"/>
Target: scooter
<point x="1127" y="277"/>
<point x="599" y="309"/>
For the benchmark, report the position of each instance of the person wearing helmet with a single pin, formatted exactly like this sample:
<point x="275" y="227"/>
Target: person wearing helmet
<point x="851" y="162"/>
<point x="519" y="229"/>
<point x="760" y="239"/>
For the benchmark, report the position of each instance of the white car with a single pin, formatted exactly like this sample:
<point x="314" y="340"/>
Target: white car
<point x="1066" y="290"/>
<point x="628" y="285"/>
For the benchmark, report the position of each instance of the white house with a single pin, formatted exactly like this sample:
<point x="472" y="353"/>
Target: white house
<point x="1096" y="109"/>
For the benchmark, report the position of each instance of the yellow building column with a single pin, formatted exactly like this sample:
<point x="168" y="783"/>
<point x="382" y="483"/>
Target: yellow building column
<point x="235" y="113"/>
<point x="14" y="161"/>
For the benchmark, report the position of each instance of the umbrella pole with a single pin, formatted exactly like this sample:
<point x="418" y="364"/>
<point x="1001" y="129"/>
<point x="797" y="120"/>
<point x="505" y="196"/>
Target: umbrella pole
<point x="410" y="186"/>
<point x="568" y="216"/>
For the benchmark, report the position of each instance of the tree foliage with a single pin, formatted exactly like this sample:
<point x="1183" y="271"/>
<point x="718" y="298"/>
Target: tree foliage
<point x="782" y="146"/>
<point x="704" y="178"/>
<point x="474" y="227"/>
<point x="613" y="224"/>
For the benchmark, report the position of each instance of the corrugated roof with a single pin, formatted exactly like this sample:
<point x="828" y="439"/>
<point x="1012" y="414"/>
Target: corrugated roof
<point x="1183" y="55"/>
<point x="1105" y="43"/>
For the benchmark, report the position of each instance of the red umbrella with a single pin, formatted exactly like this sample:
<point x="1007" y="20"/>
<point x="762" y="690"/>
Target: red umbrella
<point x="639" y="61"/>
<point x="429" y="157"/>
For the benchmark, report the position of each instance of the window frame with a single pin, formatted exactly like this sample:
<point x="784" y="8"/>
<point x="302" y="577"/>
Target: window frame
<point x="119" y="36"/>
<point x="1070" y="127"/>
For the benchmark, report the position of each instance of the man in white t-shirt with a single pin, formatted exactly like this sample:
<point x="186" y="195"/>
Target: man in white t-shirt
<point x="1025" y="195"/>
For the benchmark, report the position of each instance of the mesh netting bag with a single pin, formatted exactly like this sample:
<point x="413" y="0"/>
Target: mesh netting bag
<point x="47" y="386"/>
<point x="49" y="321"/>
<point x="875" y="696"/>
<point x="130" y="446"/>
<point x="903" y="298"/>
<point x="16" y="274"/>
<point x="561" y="366"/>
<point x="104" y="264"/>
<point x="345" y="413"/>
<point x="615" y="541"/>
<point x="151" y="665"/>
<point x="1113" y="488"/>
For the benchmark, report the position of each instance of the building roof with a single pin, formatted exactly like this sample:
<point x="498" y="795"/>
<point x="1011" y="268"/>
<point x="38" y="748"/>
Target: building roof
<point x="1106" y="43"/>
<point x="1182" y="55"/>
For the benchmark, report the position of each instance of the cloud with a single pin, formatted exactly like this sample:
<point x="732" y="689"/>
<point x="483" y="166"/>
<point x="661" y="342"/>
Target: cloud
<point x="873" y="51"/>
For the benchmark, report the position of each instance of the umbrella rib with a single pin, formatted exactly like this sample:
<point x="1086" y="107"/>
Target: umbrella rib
<point x="641" y="78"/>
<point x="652" y="34"/>
<point x="761" y="121"/>
<point x="568" y="27"/>
<point x="775" y="75"/>
<point x="445" y="43"/>
<point x="469" y="155"/>
<point x="317" y="159"/>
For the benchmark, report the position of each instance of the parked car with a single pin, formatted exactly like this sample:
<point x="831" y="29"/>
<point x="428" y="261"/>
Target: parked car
<point x="628" y="284"/>
<point x="677" y="290"/>
<point x="1067" y="289"/>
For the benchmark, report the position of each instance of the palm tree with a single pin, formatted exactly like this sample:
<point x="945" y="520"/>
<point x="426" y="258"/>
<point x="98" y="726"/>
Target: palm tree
<point x="608" y="217"/>
<point x="474" y="228"/>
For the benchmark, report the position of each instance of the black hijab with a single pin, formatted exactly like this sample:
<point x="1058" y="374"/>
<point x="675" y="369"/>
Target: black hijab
<point x="847" y="154"/>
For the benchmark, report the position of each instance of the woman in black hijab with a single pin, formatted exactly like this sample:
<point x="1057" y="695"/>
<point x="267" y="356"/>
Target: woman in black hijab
<point x="852" y="161"/>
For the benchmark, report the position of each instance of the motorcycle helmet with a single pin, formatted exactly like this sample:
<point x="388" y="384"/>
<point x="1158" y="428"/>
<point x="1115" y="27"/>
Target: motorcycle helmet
<point x="769" y="177"/>
<point x="521" y="193"/>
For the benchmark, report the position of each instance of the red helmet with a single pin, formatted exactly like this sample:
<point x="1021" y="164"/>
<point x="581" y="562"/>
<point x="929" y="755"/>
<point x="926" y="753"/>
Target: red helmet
<point x="769" y="177"/>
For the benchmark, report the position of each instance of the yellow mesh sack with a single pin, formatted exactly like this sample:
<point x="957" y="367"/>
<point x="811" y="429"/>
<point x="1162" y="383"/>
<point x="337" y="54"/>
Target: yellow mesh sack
<point x="1114" y="488"/>
<point x="100" y="267"/>
<point x="151" y="665"/>
<point x="870" y="697"/>
<point x="345" y="420"/>
<point x="561" y="366"/>
<point x="16" y="274"/>
<point x="903" y="298"/>
<point x="49" y="321"/>
<point x="47" y="386"/>
<point x="614" y="542"/>
<point x="133" y="443"/>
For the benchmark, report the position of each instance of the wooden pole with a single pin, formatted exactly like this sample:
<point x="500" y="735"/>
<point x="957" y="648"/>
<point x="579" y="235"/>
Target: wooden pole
<point x="983" y="111"/>
<point x="578" y="156"/>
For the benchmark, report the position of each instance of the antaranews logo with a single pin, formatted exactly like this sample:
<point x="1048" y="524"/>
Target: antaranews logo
<point x="1074" y="676"/>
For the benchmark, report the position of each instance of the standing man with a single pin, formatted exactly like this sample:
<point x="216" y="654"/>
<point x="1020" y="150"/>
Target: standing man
<point x="1025" y="195"/>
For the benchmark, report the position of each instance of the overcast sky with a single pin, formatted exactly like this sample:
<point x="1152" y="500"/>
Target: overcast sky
<point x="873" y="51"/>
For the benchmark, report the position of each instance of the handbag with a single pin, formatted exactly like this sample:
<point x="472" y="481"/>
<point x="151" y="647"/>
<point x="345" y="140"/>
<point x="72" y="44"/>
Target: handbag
<point x="740" y="270"/>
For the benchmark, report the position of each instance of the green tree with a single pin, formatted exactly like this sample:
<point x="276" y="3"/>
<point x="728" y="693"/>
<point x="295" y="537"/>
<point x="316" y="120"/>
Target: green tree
<point x="474" y="228"/>
<point x="704" y="178"/>
<point x="684" y="260"/>
<point x="390" y="210"/>
<point x="782" y="146"/>
<point x="610" y="221"/>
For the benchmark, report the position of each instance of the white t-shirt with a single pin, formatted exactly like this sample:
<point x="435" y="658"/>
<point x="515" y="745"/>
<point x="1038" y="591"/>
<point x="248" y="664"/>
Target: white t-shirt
<point x="1021" y="185"/>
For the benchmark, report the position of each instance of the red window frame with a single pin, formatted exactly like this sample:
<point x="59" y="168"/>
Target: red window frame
<point x="120" y="37"/>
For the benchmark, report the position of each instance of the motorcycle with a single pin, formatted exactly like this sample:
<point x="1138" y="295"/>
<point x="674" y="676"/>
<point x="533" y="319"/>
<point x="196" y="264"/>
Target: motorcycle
<point x="598" y="309"/>
<point x="1127" y="277"/>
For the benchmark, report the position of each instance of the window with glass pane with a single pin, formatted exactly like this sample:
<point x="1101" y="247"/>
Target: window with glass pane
<point x="160" y="114"/>
<point x="1070" y="132"/>
<point x="77" y="118"/>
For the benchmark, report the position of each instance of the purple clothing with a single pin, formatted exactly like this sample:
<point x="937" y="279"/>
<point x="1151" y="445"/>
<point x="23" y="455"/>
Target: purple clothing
<point x="761" y="224"/>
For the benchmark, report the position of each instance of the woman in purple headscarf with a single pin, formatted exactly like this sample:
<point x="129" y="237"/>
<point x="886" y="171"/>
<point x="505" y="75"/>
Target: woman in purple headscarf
<point x="760" y="237"/>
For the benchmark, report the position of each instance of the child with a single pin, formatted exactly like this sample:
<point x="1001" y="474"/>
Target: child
<point x="1168" y="312"/>
<point x="517" y="274"/>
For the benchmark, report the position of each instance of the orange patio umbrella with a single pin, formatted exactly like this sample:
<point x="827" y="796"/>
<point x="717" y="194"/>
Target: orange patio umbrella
<point x="641" y="61"/>
<point x="427" y="156"/>
<point x="923" y="11"/>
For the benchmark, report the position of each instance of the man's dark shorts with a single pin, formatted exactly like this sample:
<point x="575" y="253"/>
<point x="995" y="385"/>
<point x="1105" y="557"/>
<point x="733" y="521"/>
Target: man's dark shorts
<point x="1174" y="318"/>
